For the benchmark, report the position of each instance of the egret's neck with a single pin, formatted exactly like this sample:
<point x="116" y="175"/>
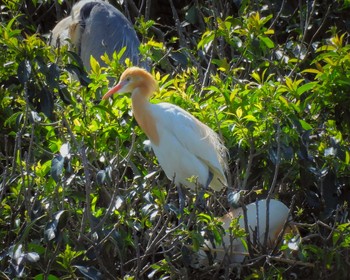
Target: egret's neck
<point x="143" y="114"/>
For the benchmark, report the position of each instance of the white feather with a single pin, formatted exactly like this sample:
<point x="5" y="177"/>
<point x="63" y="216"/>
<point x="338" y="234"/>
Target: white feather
<point x="188" y="148"/>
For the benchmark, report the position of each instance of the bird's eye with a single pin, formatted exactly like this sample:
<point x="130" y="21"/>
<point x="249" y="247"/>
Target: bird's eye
<point x="128" y="79"/>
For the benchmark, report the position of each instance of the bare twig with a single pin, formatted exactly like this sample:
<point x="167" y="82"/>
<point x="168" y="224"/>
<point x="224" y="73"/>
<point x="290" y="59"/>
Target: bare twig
<point x="246" y="228"/>
<point x="4" y="174"/>
<point x="148" y="9"/>
<point x="81" y="148"/>
<point x="300" y="61"/>
<point x="182" y="39"/>
<point x="249" y="165"/>
<point x="274" y="182"/>
<point x="278" y="14"/>
<point x="94" y="247"/>
<point x="290" y="262"/>
<point x="207" y="71"/>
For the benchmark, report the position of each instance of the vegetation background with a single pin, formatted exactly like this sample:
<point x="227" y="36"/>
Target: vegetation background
<point x="81" y="198"/>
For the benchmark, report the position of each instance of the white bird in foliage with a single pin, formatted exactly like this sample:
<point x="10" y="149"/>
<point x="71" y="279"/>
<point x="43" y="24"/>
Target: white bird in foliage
<point x="95" y="27"/>
<point x="256" y="217"/>
<point x="185" y="147"/>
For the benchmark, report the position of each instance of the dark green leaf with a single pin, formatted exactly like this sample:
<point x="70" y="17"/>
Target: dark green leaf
<point x="179" y="58"/>
<point x="65" y="94"/>
<point x="53" y="228"/>
<point x="53" y="75"/>
<point x="57" y="167"/>
<point x="101" y="177"/>
<point x="76" y="58"/>
<point x="89" y="272"/>
<point x="192" y="15"/>
<point x="46" y="102"/>
<point x="49" y="277"/>
<point x="79" y="73"/>
<point x="24" y="71"/>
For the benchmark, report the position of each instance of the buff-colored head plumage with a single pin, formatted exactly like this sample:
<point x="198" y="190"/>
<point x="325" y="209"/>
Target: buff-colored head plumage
<point x="132" y="78"/>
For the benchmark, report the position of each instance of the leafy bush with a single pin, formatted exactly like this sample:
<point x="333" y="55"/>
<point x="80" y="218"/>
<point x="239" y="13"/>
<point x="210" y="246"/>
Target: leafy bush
<point x="81" y="197"/>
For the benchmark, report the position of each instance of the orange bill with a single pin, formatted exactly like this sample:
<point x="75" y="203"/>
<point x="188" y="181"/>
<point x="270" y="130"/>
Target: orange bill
<point x="112" y="91"/>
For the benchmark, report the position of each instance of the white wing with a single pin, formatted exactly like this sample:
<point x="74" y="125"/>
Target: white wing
<point x="195" y="137"/>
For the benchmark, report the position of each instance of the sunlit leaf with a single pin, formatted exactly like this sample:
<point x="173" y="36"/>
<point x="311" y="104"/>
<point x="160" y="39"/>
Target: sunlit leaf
<point x="326" y="48"/>
<point x="305" y="125"/>
<point x="284" y="100"/>
<point x="95" y="66"/>
<point x="267" y="41"/>
<point x="239" y="112"/>
<point x="305" y="87"/>
<point x="256" y="76"/>
<point x="250" y="118"/>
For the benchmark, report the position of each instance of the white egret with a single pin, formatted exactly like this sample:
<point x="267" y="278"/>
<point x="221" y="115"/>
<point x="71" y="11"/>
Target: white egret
<point x="184" y="146"/>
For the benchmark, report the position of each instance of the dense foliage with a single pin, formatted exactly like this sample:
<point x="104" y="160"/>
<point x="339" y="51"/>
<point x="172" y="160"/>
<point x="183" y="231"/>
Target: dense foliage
<point x="81" y="197"/>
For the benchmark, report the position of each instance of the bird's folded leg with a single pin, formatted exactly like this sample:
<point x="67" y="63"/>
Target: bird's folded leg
<point x="200" y="198"/>
<point x="210" y="178"/>
<point x="181" y="199"/>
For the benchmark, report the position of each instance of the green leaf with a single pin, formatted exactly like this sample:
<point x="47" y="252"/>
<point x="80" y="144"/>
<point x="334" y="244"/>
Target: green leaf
<point x="49" y="277"/>
<point x="311" y="70"/>
<point x="204" y="217"/>
<point x="255" y="76"/>
<point x="326" y="48"/>
<point x="306" y="87"/>
<point x="305" y="125"/>
<point x="239" y="112"/>
<point x="344" y="82"/>
<point x="207" y="38"/>
<point x="347" y="157"/>
<point x="250" y="118"/>
<point x="283" y="100"/>
<point x="16" y="117"/>
<point x="267" y="41"/>
<point x="95" y="66"/>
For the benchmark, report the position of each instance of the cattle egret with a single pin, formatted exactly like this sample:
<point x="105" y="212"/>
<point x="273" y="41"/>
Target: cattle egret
<point x="95" y="27"/>
<point x="256" y="218"/>
<point x="185" y="147"/>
